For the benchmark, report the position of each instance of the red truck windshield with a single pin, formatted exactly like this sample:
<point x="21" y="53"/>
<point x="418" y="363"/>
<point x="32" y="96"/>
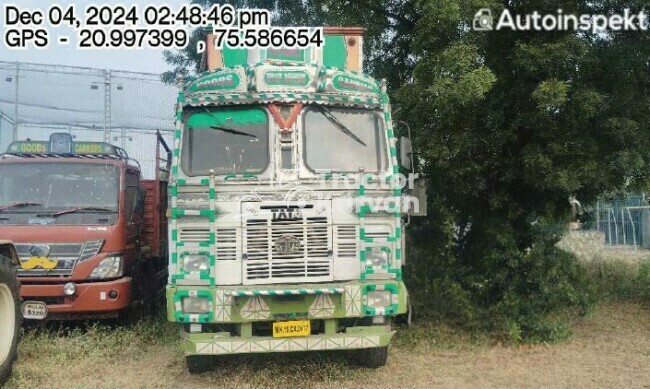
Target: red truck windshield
<point x="47" y="188"/>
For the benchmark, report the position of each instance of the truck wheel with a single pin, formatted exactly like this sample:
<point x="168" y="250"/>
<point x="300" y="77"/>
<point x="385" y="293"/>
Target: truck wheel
<point x="10" y="318"/>
<point x="197" y="364"/>
<point x="372" y="357"/>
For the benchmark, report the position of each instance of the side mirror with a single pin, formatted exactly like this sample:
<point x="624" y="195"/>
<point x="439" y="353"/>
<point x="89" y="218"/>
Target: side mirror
<point x="419" y="198"/>
<point x="8" y="250"/>
<point x="405" y="152"/>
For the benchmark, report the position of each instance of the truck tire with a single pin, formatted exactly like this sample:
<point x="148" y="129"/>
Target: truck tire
<point x="10" y="317"/>
<point x="197" y="364"/>
<point x="372" y="358"/>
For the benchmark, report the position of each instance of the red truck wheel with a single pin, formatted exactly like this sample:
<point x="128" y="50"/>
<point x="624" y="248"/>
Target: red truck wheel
<point x="10" y="318"/>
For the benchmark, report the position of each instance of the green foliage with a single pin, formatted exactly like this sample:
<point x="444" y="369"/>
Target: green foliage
<point x="508" y="126"/>
<point x="620" y="280"/>
<point x="551" y="95"/>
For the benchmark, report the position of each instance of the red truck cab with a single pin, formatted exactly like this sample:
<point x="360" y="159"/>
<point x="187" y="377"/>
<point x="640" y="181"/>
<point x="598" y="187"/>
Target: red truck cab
<point x="89" y="231"/>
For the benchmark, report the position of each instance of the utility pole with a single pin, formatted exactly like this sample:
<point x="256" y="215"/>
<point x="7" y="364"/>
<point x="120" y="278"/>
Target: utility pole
<point x="107" y="106"/>
<point x="15" y="134"/>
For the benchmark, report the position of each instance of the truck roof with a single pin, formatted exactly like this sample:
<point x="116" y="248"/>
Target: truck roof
<point x="93" y="152"/>
<point x="328" y="74"/>
<point x="275" y="82"/>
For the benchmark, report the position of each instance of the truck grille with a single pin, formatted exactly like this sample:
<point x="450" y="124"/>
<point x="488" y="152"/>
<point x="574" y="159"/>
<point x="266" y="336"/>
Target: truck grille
<point x="311" y="262"/>
<point x="66" y="254"/>
<point x="346" y="241"/>
<point x="227" y="244"/>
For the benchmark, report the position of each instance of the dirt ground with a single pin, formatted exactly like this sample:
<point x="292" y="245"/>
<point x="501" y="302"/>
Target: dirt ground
<point x="609" y="349"/>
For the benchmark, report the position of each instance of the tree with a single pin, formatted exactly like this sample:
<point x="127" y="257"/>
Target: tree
<point x="509" y="126"/>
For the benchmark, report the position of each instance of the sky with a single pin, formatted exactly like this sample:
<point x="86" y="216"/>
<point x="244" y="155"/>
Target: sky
<point x="145" y="60"/>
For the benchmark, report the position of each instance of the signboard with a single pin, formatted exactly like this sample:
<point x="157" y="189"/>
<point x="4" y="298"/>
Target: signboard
<point x="227" y="80"/>
<point x="349" y="83"/>
<point x="61" y="147"/>
<point x="286" y="78"/>
<point x="270" y="78"/>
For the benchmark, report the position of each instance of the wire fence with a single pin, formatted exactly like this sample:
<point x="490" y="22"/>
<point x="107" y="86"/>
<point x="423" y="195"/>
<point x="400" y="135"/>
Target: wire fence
<point x="625" y="223"/>
<point x="119" y="107"/>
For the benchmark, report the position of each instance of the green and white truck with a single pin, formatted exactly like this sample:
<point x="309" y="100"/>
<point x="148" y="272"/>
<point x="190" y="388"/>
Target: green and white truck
<point x="286" y="224"/>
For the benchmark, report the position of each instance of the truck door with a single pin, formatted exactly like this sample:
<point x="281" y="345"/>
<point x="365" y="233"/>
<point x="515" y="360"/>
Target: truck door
<point x="132" y="211"/>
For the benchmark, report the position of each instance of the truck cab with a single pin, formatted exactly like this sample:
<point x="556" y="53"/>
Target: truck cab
<point x="77" y="214"/>
<point x="286" y="218"/>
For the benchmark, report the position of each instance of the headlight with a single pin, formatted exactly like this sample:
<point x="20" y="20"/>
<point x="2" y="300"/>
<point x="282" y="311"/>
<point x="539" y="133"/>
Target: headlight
<point x="109" y="267"/>
<point x="195" y="263"/>
<point x="378" y="299"/>
<point x="196" y="305"/>
<point x="377" y="257"/>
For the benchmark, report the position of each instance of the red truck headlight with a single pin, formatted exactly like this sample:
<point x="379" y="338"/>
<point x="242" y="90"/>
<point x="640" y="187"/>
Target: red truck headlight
<point x="110" y="267"/>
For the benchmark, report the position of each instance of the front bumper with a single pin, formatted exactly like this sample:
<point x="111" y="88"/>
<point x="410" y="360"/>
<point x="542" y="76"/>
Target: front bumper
<point x="240" y="304"/>
<point x="91" y="299"/>
<point x="224" y="343"/>
<point x="340" y="309"/>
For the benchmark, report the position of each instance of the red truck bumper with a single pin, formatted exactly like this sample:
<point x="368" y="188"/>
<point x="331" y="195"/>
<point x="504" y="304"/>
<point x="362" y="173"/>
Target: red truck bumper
<point x="91" y="300"/>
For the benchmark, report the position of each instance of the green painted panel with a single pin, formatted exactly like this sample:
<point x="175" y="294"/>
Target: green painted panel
<point x="227" y="117"/>
<point x="335" y="51"/>
<point x="234" y="57"/>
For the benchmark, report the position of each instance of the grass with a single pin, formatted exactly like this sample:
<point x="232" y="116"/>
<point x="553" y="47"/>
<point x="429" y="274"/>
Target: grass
<point x="619" y="279"/>
<point x="86" y="343"/>
<point x="69" y="354"/>
<point x="613" y="340"/>
<point x="609" y="349"/>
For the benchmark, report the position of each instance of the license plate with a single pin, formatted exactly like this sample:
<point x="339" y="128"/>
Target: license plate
<point x="285" y="329"/>
<point x="34" y="310"/>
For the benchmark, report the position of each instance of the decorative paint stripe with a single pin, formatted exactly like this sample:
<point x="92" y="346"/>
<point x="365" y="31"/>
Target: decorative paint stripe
<point x="261" y="98"/>
<point x="220" y="346"/>
<point x="284" y="292"/>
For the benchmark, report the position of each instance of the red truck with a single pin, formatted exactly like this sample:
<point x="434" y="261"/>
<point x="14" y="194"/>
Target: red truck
<point x="90" y="233"/>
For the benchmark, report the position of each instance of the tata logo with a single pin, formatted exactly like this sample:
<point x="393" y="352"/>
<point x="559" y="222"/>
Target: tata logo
<point x="286" y="214"/>
<point x="287" y="244"/>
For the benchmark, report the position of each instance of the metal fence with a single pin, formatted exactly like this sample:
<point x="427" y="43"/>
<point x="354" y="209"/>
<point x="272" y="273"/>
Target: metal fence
<point x="625" y="223"/>
<point x="119" y="107"/>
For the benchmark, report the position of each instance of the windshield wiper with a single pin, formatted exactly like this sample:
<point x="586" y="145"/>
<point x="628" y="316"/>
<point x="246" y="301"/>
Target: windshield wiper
<point x="233" y="131"/>
<point x="227" y="129"/>
<point x="81" y="209"/>
<point x="337" y="123"/>
<point x="19" y="204"/>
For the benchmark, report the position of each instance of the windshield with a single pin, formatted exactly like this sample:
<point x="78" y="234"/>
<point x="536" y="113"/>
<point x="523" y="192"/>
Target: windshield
<point x="344" y="140"/>
<point x="228" y="140"/>
<point x="35" y="187"/>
